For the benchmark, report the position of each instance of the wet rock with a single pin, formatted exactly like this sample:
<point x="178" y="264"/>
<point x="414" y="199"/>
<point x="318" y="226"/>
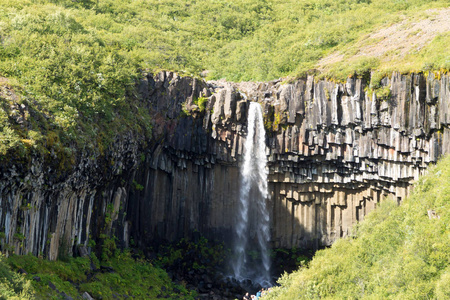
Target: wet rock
<point x="86" y="296"/>
<point x="22" y="271"/>
<point x="82" y="250"/>
<point x="51" y="285"/>
<point x="241" y="111"/>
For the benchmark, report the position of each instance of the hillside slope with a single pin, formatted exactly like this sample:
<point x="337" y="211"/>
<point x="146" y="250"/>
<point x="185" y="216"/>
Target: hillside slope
<point x="242" y="40"/>
<point x="397" y="252"/>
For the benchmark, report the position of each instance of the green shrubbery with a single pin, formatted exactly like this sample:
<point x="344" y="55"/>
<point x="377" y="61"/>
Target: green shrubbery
<point x="115" y="274"/>
<point x="397" y="252"/>
<point x="123" y="277"/>
<point x="188" y="255"/>
<point x="13" y="285"/>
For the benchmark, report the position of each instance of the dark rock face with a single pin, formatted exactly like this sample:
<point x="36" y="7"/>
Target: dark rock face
<point x="334" y="151"/>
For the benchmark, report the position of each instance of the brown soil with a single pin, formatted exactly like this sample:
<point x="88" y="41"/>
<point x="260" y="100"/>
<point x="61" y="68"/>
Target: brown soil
<point x="399" y="39"/>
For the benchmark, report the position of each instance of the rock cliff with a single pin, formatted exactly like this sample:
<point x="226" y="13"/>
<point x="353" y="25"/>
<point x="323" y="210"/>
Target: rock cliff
<point x="334" y="151"/>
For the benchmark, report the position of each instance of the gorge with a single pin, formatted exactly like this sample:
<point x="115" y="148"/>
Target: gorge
<point x="334" y="150"/>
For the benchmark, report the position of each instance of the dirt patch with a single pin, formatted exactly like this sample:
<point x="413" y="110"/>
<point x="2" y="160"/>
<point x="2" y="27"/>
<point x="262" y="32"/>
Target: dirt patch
<point x="398" y="40"/>
<point x="6" y="91"/>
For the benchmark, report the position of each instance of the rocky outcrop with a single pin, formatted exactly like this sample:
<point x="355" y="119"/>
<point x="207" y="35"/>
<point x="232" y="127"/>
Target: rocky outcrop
<point x="334" y="150"/>
<point x="48" y="211"/>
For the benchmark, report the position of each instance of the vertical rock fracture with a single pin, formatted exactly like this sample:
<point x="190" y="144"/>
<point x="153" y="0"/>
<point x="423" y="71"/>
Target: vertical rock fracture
<point x="333" y="151"/>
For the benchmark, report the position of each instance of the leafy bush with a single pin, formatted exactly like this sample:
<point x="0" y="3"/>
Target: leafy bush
<point x="125" y="277"/>
<point x="13" y="285"/>
<point x="188" y="254"/>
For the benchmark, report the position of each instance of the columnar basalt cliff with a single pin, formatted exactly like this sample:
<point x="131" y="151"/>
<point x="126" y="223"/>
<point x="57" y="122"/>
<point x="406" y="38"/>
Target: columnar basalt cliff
<point x="334" y="151"/>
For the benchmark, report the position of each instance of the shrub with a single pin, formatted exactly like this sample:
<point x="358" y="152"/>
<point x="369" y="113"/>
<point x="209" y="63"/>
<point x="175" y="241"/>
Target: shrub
<point x="13" y="285"/>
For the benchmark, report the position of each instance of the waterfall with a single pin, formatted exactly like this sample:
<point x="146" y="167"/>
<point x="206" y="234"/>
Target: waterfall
<point x="252" y="224"/>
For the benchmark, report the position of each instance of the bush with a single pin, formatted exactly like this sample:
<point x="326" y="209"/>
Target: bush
<point x="13" y="285"/>
<point x="126" y="276"/>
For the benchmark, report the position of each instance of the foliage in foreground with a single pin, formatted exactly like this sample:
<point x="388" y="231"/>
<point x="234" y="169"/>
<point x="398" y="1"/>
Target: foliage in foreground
<point x="120" y="277"/>
<point x="398" y="252"/>
<point x="13" y="285"/>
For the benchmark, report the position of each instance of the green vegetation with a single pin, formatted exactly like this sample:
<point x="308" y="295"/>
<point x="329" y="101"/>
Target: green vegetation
<point x="13" y="285"/>
<point x="298" y="256"/>
<point x="201" y="103"/>
<point x="397" y="252"/>
<point x="188" y="255"/>
<point x="119" y="277"/>
<point x="69" y="69"/>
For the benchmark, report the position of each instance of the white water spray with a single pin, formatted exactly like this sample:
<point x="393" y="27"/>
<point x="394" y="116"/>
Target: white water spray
<point x="252" y="224"/>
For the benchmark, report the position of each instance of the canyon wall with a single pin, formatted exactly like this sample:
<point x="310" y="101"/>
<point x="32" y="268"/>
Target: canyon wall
<point x="334" y="151"/>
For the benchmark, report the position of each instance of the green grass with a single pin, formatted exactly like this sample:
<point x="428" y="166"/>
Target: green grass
<point x="397" y="252"/>
<point x="130" y="277"/>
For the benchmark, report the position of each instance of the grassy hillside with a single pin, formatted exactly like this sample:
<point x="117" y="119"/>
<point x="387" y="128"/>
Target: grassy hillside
<point x="397" y="252"/>
<point x="70" y="67"/>
<point x="238" y="40"/>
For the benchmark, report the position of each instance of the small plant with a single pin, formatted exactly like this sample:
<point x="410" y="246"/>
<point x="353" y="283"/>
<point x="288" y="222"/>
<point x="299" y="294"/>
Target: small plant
<point x="108" y="247"/>
<point x="19" y="236"/>
<point x="383" y="93"/>
<point x="13" y="285"/>
<point x="201" y="103"/>
<point x="137" y="186"/>
<point x="253" y="254"/>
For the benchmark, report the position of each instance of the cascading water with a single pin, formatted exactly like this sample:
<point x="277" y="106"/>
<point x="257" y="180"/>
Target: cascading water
<point x="252" y="224"/>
